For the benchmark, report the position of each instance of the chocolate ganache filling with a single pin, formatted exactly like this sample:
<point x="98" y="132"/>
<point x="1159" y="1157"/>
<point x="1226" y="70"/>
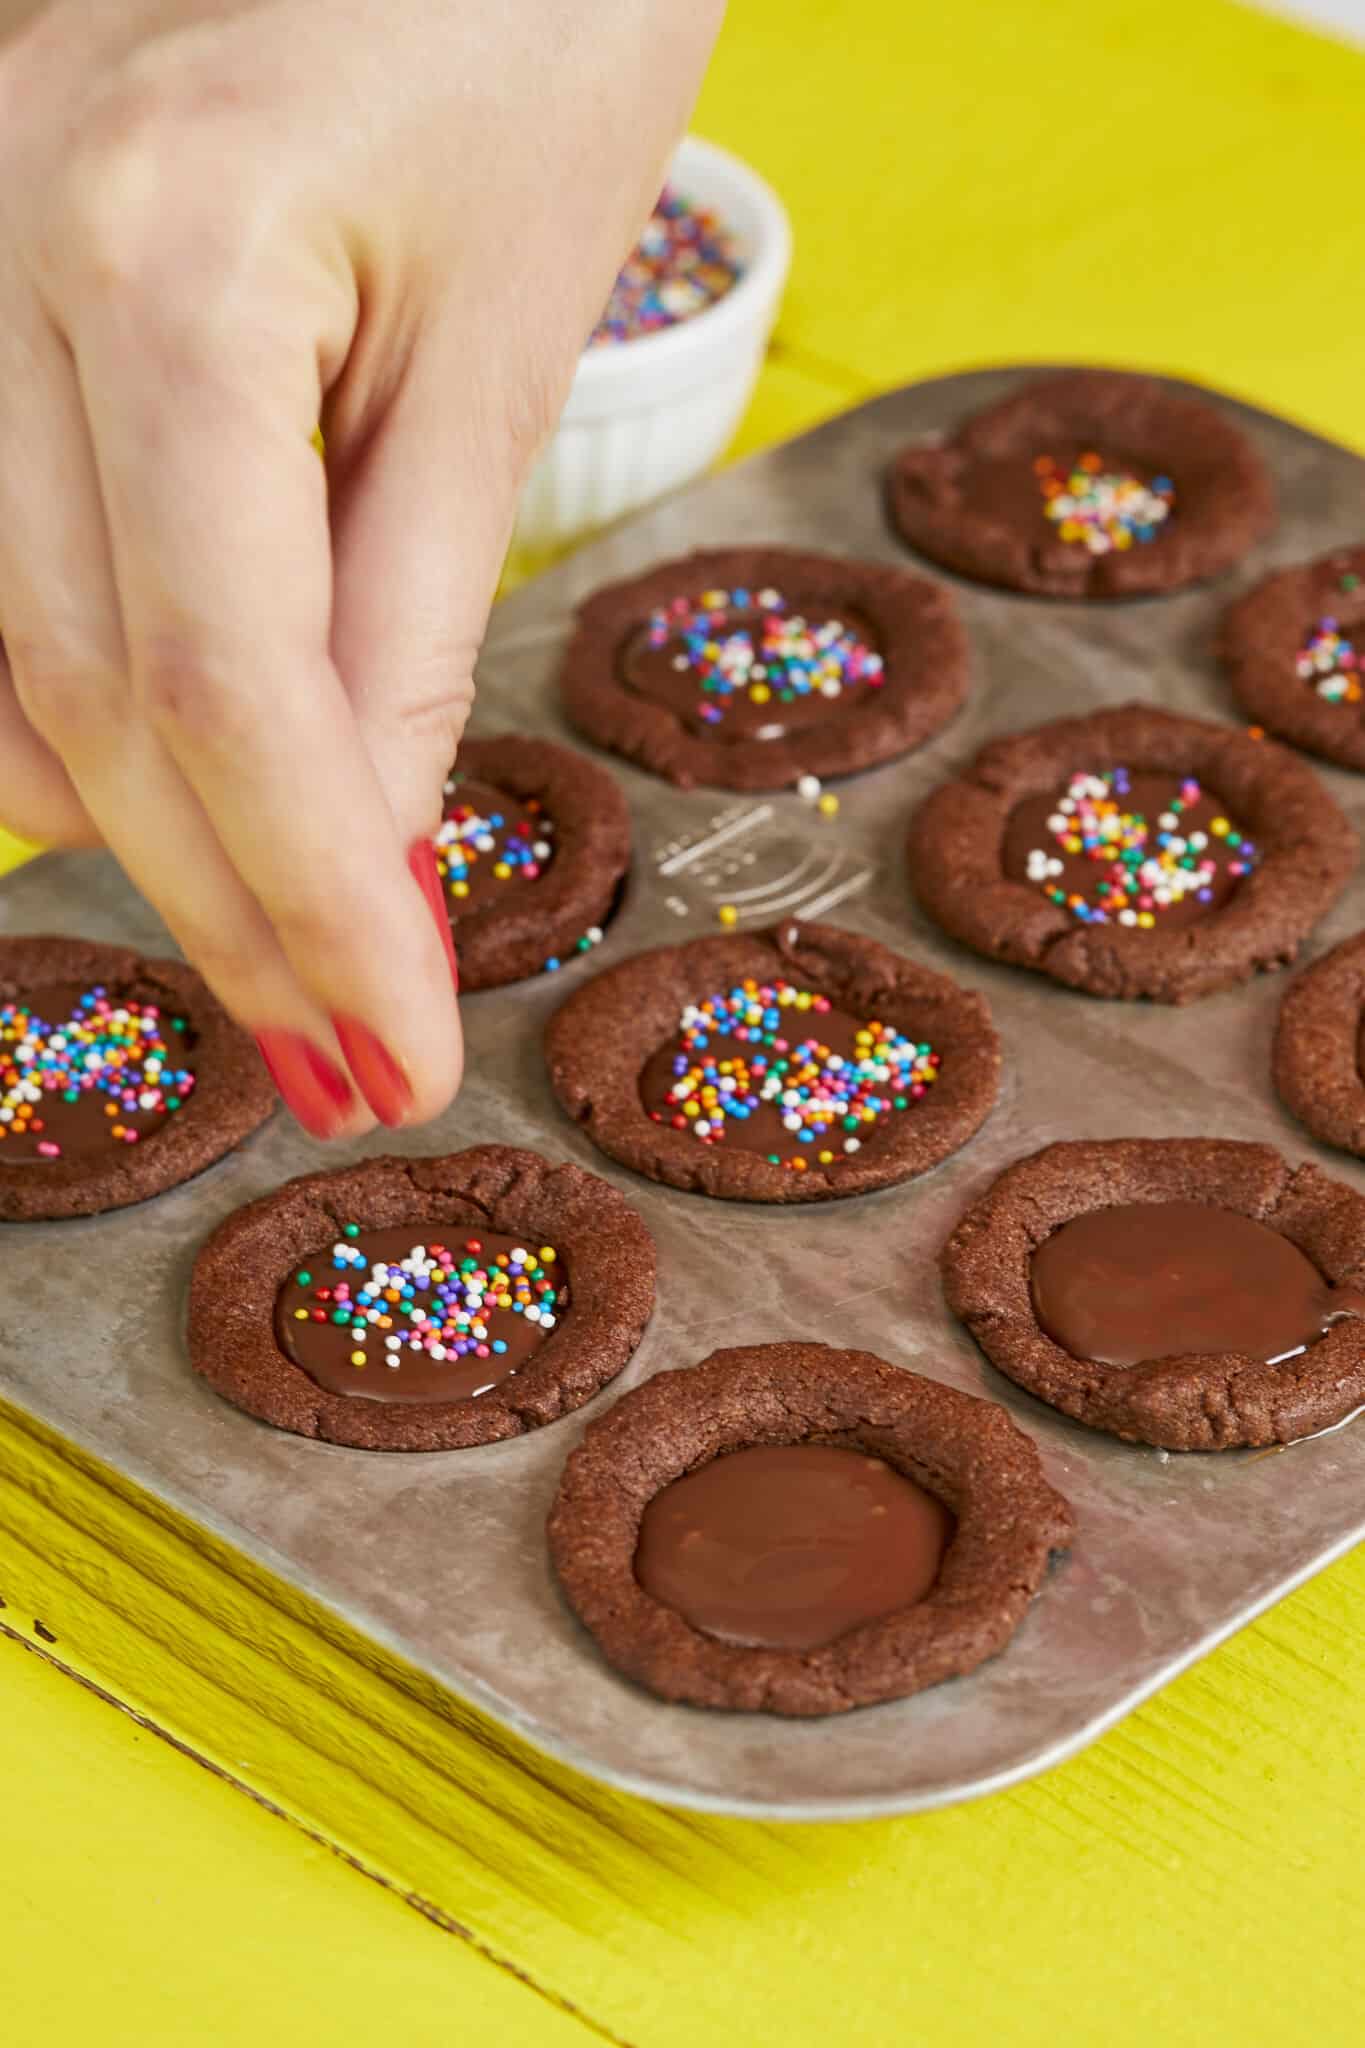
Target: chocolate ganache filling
<point x="781" y="1071"/>
<point x="489" y="844"/>
<point x="87" y="1069"/>
<point x="419" y="1313"/>
<point x="787" y="1547"/>
<point x="1139" y="850"/>
<point x="1146" y="1280"/>
<point x="753" y="665"/>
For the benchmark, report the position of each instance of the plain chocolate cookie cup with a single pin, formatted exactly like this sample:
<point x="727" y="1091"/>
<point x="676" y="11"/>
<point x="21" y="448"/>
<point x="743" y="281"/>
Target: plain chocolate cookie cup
<point x="544" y="920"/>
<point x="1202" y="1402"/>
<point x="1307" y="851"/>
<point x="1316" y="1058"/>
<point x="1260" y="641"/>
<point x="607" y="1251"/>
<point x="1224" y="501"/>
<point x="920" y="638"/>
<point x="233" y="1094"/>
<point x="965" y="1451"/>
<point x="598" y="1042"/>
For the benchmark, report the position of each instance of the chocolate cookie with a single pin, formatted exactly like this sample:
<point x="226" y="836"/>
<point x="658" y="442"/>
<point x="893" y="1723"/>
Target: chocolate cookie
<point x="747" y="668"/>
<point x="1086" y="483"/>
<point x="1132" y="853"/>
<point x="1319" y="1049"/>
<point x="1294" y="647"/>
<point x="1189" y="1292"/>
<point x="532" y="852"/>
<point x="120" y="1077"/>
<point x="423" y="1304"/>
<point x="793" y="1065"/>
<point x="897" y="1542"/>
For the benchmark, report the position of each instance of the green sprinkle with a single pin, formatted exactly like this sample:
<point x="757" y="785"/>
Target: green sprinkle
<point x="351" y="1230"/>
<point x="305" y="1279"/>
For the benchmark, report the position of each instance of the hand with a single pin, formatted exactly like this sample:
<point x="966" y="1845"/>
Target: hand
<point x="221" y="222"/>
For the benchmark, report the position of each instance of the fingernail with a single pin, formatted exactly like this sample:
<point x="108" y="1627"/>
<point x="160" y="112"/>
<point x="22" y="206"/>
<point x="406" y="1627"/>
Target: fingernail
<point x="422" y="861"/>
<point x="382" y="1081"/>
<point x="314" y="1090"/>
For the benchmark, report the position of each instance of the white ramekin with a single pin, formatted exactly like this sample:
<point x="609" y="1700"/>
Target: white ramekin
<point x="644" y="416"/>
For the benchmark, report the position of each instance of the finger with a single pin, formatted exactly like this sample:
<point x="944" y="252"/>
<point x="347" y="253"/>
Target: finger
<point x="421" y="515"/>
<point x="218" y="525"/>
<point x="66" y="649"/>
<point x="37" y="801"/>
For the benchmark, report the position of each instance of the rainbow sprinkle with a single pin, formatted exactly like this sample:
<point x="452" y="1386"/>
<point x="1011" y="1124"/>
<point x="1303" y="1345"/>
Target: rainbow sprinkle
<point x="1141" y="870"/>
<point x="517" y="851"/>
<point x="108" y="1047"/>
<point x="438" y="1301"/>
<point x="683" y="262"/>
<point x="771" y="656"/>
<point x="820" y="1095"/>
<point x="1329" y="661"/>
<point x="1102" y="509"/>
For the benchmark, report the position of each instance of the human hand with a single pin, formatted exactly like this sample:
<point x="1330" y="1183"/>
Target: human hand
<point x="222" y="221"/>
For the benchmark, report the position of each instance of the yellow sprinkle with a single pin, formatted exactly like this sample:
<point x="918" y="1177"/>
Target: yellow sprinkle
<point x="459" y="888"/>
<point x="357" y="1358"/>
<point x="501" y="870"/>
<point x="828" y="804"/>
<point x="825" y="1158"/>
<point x="300" y="1315"/>
<point x="728" y="914"/>
<point x="547" y="1255"/>
<point x="759" y="693"/>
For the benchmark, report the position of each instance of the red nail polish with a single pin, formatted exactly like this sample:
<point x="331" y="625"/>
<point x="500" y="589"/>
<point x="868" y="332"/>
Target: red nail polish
<point x="314" y="1090"/>
<point x="382" y="1081"/>
<point x="422" y="861"/>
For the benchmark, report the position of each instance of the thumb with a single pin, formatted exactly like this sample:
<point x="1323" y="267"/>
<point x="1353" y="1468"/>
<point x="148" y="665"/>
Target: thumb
<point x="421" y="515"/>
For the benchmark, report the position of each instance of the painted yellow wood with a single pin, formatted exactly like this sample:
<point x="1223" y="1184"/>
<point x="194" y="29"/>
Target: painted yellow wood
<point x="1161" y="183"/>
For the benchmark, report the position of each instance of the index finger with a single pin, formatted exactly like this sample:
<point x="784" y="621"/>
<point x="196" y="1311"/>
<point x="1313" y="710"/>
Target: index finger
<point x="217" y="512"/>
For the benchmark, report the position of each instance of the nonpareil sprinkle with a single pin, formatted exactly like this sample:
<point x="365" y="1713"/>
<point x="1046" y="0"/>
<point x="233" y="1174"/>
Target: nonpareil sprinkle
<point x="1102" y="509"/>
<point x="1329" y="661"/>
<point x="751" y="644"/>
<point x="683" y="262"/>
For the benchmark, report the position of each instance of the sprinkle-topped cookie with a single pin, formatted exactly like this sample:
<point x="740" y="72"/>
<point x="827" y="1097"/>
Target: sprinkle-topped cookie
<point x="404" y="1315"/>
<point x="683" y="262"/>
<point x="1100" y="508"/>
<point x="1129" y="849"/>
<point x="84" y="1069"/>
<point x="488" y="841"/>
<point x="752" y="664"/>
<point x="779" y="1070"/>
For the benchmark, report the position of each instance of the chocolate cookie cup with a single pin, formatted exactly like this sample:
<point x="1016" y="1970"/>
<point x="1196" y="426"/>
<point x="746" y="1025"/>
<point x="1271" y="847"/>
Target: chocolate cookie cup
<point x="613" y="1042"/>
<point x="519" y="916"/>
<point x="747" y="668"/>
<point x="1316" y="1061"/>
<point x="137" y="1081"/>
<point x="1086" y="484"/>
<point x="258" y="1260"/>
<point x="1241" y="894"/>
<point x="1294" y="650"/>
<point x="963" y="1451"/>
<point x="1203" y="1399"/>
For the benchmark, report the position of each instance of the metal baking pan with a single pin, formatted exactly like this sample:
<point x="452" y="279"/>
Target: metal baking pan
<point x="441" y="1557"/>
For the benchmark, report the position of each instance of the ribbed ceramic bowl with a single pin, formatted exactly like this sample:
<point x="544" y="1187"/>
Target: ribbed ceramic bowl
<point x="644" y="416"/>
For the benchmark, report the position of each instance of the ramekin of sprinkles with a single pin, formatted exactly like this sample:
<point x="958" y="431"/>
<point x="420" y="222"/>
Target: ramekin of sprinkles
<point x="1102" y="509"/>
<point x="446" y="1301"/>
<point x="109" y="1048"/>
<point x="655" y="404"/>
<point x="684" y="261"/>
<point x="1329" y="661"/>
<point x="1139" y="871"/>
<point x="773" y="656"/>
<point x="511" y="852"/>
<point x="826" y="1100"/>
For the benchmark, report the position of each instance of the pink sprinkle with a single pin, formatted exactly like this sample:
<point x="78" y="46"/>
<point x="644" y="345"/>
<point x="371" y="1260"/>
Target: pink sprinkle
<point x="47" y="1150"/>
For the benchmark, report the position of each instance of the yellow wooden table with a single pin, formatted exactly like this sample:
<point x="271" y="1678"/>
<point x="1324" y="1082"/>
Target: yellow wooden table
<point x="1172" y="185"/>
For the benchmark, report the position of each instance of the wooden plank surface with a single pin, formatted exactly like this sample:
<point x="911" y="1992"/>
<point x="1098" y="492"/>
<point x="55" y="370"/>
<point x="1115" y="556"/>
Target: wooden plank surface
<point x="1165" y="184"/>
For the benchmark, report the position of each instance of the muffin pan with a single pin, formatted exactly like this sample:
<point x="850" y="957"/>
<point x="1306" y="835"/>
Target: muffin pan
<point x="441" y="1557"/>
